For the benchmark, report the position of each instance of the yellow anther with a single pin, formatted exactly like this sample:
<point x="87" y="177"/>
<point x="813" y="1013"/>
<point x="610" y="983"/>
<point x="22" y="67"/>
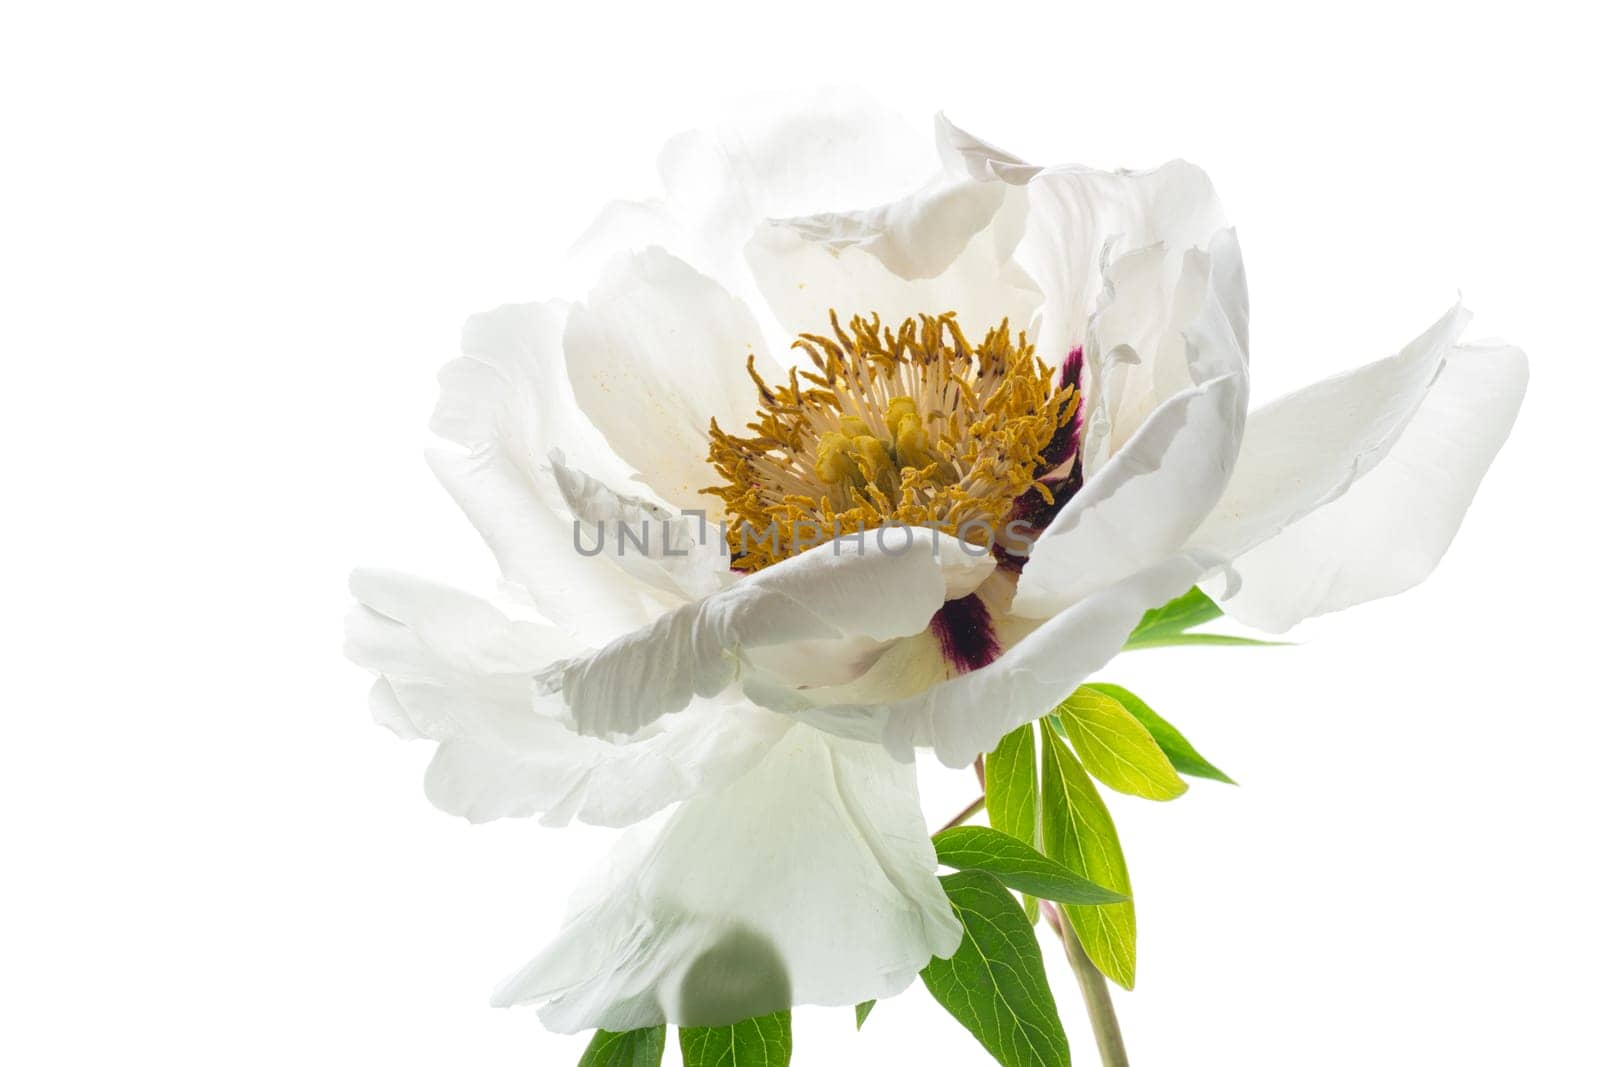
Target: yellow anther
<point x="899" y="409"/>
<point x="835" y="464"/>
<point x="851" y="426"/>
<point x="912" y="445"/>
<point x="873" y="456"/>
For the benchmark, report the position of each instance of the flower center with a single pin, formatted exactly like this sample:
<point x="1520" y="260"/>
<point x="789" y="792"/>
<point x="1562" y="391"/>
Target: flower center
<point x="913" y="426"/>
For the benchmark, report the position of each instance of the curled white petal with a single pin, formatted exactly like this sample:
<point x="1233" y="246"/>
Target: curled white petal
<point x="881" y="589"/>
<point x="1168" y="319"/>
<point x="963" y="717"/>
<point x="1075" y="215"/>
<point x="1142" y="505"/>
<point x="681" y="555"/>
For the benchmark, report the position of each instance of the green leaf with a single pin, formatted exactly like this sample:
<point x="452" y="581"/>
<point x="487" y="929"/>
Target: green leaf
<point x="1017" y="866"/>
<point x="1176" y="639"/>
<point x="1011" y="786"/>
<point x="630" y="1048"/>
<point x="1115" y="747"/>
<point x="995" y="985"/>
<point x="1166" y="626"/>
<point x="1011" y="793"/>
<point x="863" y="1010"/>
<point x="1078" y="833"/>
<point x="1177" y="747"/>
<point x="764" y="1041"/>
<point x="1186" y="612"/>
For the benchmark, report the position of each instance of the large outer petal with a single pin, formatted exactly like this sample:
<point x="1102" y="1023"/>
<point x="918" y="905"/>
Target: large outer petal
<point x="838" y="592"/>
<point x="1353" y="489"/>
<point x="1305" y="449"/>
<point x="454" y="669"/>
<point x="509" y="402"/>
<point x="808" y="881"/>
<point x="655" y="353"/>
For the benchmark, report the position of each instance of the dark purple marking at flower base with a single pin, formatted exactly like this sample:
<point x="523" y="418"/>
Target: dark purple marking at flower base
<point x="1031" y="508"/>
<point x="1064" y="444"/>
<point x="965" y="633"/>
<point x="1071" y="369"/>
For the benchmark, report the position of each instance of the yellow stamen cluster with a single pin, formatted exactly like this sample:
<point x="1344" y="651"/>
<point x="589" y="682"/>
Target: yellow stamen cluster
<point x="911" y="425"/>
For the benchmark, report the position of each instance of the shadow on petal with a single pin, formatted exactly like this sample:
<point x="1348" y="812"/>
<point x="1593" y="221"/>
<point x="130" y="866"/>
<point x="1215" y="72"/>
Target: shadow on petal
<point x="740" y="977"/>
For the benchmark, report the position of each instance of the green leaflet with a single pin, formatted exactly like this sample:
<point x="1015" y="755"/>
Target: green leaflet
<point x="1115" y="747"/>
<point x="995" y="985"/>
<point x="863" y="1010"/>
<point x="1078" y="833"/>
<point x="630" y="1048"/>
<point x="1177" y="747"/>
<point x="764" y="1041"/>
<point x="1174" y="640"/>
<point x="1011" y="793"/>
<point x="1017" y="866"/>
<point x="1011" y="786"/>
<point x="1167" y="625"/>
<point x="1186" y="612"/>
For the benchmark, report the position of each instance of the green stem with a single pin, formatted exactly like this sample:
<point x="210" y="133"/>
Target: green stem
<point x="1096" y="996"/>
<point x="977" y="805"/>
<point x="966" y="813"/>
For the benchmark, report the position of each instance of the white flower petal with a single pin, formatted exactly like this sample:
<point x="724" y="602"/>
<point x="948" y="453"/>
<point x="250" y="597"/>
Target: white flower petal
<point x="878" y="591"/>
<point x="508" y="400"/>
<point x="1308" y="448"/>
<point x="967" y="715"/>
<point x="567" y="776"/>
<point x="808" y="881"/>
<point x="389" y="713"/>
<point x="413" y="629"/>
<point x="1142" y="506"/>
<point x="963" y="153"/>
<point x="655" y="354"/>
<point x="777" y="157"/>
<point x="948" y="247"/>
<point x="1075" y="213"/>
<point x="682" y="555"/>
<point x="1397" y="482"/>
<point x="917" y="237"/>
<point x="1305" y="449"/>
<point x="454" y="669"/>
<point x="1145" y="344"/>
<point x="509" y="391"/>
<point x="1145" y="502"/>
<point x="592" y="598"/>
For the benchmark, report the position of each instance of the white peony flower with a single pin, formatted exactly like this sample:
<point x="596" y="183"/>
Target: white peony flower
<point x="1057" y="350"/>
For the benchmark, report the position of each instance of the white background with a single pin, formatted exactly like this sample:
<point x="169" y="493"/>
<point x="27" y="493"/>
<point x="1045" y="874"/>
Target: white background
<point x="239" y="239"/>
